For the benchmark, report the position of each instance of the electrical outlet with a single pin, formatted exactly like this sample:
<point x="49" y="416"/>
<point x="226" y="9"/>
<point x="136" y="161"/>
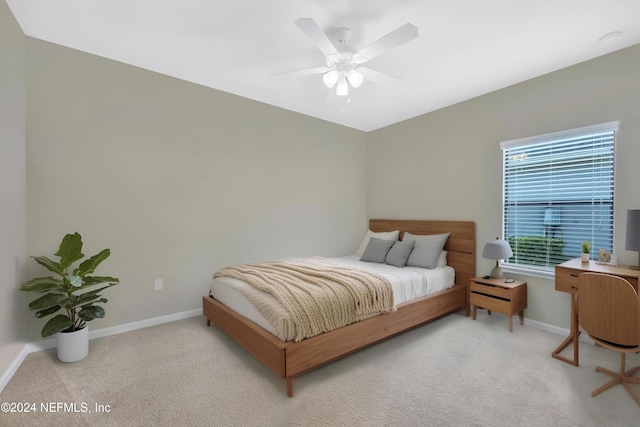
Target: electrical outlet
<point x="157" y="284"/>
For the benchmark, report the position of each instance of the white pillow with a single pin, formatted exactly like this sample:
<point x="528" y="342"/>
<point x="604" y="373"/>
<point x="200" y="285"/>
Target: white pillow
<point x="442" y="261"/>
<point x="387" y="235"/>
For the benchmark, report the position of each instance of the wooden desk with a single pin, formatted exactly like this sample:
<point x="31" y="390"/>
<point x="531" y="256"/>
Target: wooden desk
<point x="567" y="281"/>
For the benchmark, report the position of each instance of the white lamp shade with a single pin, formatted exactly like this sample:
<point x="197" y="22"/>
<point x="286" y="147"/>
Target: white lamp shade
<point x="497" y="249"/>
<point x="330" y="78"/>
<point x="355" y="78"/>
<point x="632" y="241"/>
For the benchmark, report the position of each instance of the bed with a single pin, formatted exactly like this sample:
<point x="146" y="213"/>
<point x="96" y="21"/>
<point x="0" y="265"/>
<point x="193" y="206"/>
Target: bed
<point x="289" y="359"/>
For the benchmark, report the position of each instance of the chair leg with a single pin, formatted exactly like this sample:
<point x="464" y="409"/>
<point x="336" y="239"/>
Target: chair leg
<point x="632" y="371"/>
<point x="616" y="380"/>
<point x="631" y="391"/>
<point x="630" y="379"/>
<point x="606" y="371"/>
<point x="622" y="377"/>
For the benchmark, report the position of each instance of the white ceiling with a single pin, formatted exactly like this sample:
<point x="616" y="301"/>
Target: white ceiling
<point x="465" y="48"/>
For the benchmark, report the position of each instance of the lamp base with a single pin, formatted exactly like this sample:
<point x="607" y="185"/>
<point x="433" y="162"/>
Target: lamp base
<point x="636" y="267"/>
<point x="496" y="273"/>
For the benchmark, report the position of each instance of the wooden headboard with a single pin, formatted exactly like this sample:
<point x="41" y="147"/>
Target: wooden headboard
<point x="460" y="247"/>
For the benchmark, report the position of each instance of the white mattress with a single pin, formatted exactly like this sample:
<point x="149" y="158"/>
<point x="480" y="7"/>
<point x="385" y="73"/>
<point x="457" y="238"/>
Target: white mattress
<point x="408" y="283"/>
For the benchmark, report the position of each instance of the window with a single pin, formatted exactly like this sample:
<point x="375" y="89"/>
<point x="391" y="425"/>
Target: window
<point x="558" y="193"/>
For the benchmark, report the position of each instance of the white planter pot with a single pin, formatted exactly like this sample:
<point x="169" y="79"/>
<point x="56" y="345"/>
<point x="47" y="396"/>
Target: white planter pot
<point x="73" y="346"/>
<point x="585" y="257"/>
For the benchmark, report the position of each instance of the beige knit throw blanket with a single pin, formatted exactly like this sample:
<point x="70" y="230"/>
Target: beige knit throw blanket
<point x="319" y="296"/>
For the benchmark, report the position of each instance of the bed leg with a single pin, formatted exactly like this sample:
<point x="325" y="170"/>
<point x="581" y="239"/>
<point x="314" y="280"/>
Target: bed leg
<point x="290" y="386"/>
<point x="208" y="322"/>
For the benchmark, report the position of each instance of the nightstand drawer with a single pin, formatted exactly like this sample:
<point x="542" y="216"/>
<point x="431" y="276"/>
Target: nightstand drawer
<point x="495" y="291"/>
<point x="491" y="303"/>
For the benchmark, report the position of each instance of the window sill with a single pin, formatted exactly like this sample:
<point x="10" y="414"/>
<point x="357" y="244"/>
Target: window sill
<point x="550" y="274"/>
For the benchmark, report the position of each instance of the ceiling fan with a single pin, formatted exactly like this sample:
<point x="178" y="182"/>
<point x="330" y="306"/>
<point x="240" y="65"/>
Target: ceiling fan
<point x="343" y="63"/>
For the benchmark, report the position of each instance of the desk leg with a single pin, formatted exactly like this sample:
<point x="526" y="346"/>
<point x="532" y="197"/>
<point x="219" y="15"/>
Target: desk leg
<point x="573" y="336"/>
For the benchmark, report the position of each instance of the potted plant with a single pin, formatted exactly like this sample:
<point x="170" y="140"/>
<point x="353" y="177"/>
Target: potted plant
<point x="73" y="292"/>
<point x="586" y="250"/>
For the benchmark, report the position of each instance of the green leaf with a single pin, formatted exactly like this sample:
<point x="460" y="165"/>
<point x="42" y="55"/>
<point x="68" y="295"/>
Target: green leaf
<point x="42" y="284"/>
<point x="47" y="312"/>
<point x="70" y="250"/>
<point x="91" y="312"/>
<point x="55" y="325"/>
<point x="89" y="304"/>
<point x="89" y="266"/>
<point x="46" y="301"/>
<point x="50" y="264"/>
<point x="89" y="296"/>
<point x="96" y="280"/>
<point x="83" y="302"/>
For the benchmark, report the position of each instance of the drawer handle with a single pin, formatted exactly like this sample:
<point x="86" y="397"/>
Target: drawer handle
<point x="574" y="287"/>
<point x="574" y="275"/>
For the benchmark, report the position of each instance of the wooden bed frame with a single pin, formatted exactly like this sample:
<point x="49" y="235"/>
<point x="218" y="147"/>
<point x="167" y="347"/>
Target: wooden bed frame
<point x="290" y="359"/>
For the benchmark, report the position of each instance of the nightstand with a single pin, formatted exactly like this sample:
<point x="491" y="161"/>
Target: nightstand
<point x="496" y="295"/>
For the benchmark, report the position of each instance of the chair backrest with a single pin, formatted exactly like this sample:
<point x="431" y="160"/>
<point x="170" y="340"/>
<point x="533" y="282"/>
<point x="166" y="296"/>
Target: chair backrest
<point x="609" y="309"/>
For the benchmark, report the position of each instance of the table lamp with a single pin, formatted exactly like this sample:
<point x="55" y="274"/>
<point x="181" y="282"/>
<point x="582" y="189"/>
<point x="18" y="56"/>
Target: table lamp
<point x="632" y="242"/>
<point x="497" y="249"/>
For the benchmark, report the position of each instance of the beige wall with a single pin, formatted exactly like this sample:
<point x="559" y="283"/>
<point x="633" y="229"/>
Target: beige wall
<point x="447" y="164"/>
<point x="12" y="188"/>
<point x="178" y="179"/>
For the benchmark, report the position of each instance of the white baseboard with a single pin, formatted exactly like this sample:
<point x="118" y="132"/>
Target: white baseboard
<point x="114" y="330"/>
<point x="556" y="330"/>
<point x="22" y="351"/>
<point x="547" y="328"/>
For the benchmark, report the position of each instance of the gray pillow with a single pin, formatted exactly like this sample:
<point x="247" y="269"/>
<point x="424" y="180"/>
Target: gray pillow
<point x="399" y="253"/>
<point x="426" y="250"/>
<point x="376" y="250"/>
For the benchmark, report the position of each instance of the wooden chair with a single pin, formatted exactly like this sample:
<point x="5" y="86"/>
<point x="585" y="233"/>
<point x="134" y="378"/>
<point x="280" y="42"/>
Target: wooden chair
<point x="609" y="311"/>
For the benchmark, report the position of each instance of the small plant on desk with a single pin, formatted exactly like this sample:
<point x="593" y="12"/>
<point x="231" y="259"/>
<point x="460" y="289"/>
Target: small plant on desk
<point x="586" y="249"/>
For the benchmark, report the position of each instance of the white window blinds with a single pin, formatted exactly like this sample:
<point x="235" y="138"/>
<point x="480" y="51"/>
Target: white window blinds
<point x="558" y="193"/>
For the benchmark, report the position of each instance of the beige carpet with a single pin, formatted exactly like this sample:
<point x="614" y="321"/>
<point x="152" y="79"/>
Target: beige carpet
<point x="453" y="371"/>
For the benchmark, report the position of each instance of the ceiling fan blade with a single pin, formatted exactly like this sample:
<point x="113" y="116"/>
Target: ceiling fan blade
<point x="300" y="73"/>
<point x="377" y="77"/>
<point x="394" y="39"/>
<point x="317" y="36"/>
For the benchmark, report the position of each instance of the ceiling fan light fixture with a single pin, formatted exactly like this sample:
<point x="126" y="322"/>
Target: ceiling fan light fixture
<point x="343" y="88"/>
<point x="330" y="78"/>
<point x="355" y="78"/>
<point x="342" y="59"/>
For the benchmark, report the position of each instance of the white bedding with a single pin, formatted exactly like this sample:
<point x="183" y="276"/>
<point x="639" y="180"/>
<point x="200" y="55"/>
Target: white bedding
<point x="408" y="283"/>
